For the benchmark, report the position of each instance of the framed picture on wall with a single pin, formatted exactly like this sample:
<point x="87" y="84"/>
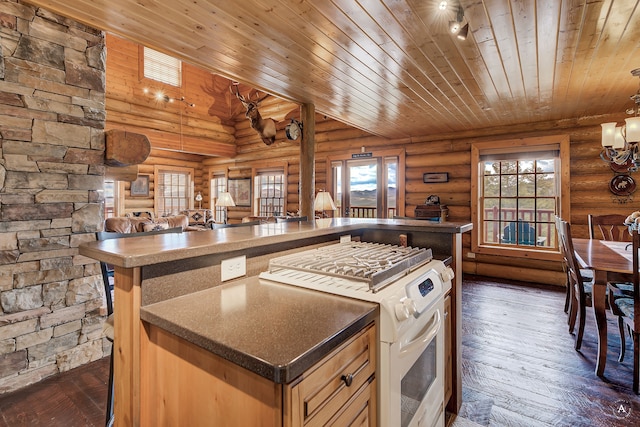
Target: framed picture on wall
<point x="240" y="190"/>
<point x="140" y="187"/>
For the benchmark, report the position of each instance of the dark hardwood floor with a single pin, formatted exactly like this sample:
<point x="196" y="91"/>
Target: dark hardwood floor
<point x="74" y="398"/>
<point x="519" y="369"/>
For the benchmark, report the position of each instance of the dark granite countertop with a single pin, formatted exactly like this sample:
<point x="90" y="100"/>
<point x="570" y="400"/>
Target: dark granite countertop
<point x="149" y="250"/>
<point x="274" y="330"/>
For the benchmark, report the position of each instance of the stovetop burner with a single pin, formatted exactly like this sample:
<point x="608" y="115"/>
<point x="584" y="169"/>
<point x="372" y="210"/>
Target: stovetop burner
<point x="374" y="263"/>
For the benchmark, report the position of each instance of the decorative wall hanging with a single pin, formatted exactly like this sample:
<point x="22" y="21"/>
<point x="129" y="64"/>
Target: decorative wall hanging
<point x="622" y="187"/>
<point x="140" y="187"/>
<point x="240" y="190"/>
<point x="428" y="178"/>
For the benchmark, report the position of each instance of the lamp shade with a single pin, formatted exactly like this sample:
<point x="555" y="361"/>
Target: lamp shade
<point x="633" y="129"/>
<point x="608" y="134"/>
<point x="199" y="197"/>
<point x="324" y="202"/>
<point x="225" y="199"/>
<point x="618" y="139"/>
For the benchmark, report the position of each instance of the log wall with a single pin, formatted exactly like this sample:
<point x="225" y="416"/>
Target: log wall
<point x="452" y="154"/>
<point x="449" y="153"/>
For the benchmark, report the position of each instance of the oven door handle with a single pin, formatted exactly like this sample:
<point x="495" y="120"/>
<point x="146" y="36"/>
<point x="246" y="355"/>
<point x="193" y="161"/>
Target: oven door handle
<point x="431" y="330"/>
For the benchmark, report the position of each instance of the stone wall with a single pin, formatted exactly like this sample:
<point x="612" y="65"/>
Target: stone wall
<point x="52" y="115"/>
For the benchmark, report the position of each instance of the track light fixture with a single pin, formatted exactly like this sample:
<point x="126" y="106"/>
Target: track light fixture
<point x="462" y="34"/>
<point x="456" y="27"/>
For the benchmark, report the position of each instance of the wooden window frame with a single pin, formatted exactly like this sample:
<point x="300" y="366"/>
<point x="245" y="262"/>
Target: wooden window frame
<point x="400" y="154"/>
<point x="173" y="169"/>
<point x="141" y="74"/>
<point x="520" y="145"/>
<point x="280" y="167"/>
<point x="218" y="212"/>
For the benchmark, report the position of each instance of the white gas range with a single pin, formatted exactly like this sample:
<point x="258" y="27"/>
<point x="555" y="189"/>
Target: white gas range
<point x="409" y="285"/>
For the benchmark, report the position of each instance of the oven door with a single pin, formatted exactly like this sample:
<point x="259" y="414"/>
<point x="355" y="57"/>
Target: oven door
<point x="415" y="367"/>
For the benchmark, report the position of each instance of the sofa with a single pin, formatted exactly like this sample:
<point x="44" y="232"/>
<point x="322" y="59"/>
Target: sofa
<point x="136" y="224"/>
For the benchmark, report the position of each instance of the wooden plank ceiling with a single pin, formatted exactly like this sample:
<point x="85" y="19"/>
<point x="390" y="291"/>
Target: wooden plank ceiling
<point x="390" y="66"/>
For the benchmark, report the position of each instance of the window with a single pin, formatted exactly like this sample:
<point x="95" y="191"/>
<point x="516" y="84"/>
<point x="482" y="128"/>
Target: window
<point x="218" y="185"/>
<point x="110" y="198"/>
<point x="271" y="191"/>
<point x="520" y="189"/>
<point x="366" y="188"/>
<point x="173" y="190"/>
<point x="162" y="68"/>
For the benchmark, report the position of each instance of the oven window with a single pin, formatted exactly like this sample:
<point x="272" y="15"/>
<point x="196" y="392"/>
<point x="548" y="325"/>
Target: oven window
<point x="417" y="381"/>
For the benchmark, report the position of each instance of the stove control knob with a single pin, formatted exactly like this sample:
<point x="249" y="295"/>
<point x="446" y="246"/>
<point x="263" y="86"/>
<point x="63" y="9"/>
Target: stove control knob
<point x="405" y="309"/>
<point x="447" y="274"/>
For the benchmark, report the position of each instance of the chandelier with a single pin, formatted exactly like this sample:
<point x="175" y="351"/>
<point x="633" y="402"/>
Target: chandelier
<point x="620" y="143"/>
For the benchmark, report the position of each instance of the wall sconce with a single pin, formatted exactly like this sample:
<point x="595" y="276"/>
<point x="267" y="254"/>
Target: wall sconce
<point x="225" y="200"/>
<point x="324" y="202"/>
<point x="161" y="96"/>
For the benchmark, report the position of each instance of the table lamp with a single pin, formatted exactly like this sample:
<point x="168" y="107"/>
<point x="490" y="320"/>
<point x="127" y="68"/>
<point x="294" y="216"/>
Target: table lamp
<point x="199" y="200"/>
<point x="225" y="200"/>
<point x="324" y="202"/>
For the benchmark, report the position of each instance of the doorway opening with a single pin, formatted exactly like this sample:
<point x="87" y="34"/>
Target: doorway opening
<point x="366" y="188"/>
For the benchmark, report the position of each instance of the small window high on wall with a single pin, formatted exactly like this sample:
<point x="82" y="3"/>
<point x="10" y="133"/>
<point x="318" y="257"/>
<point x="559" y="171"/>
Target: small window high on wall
<point x="162" y="68"/>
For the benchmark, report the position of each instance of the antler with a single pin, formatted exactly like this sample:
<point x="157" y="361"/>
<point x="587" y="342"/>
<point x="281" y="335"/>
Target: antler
<point x="258" y="101"/>
<point x="237" y="94"/>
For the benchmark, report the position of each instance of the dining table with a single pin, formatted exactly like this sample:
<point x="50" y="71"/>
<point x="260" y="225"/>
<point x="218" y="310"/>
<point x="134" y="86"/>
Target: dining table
<point x="608" y="260"/>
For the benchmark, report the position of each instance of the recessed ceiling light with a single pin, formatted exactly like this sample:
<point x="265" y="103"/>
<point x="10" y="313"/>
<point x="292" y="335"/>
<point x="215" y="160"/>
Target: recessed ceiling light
<point x="443" y="5"/>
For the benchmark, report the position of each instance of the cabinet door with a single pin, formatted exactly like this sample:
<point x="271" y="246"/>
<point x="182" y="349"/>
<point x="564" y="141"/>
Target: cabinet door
<point x="360" y="410"/>
<point x="342" y="378"/>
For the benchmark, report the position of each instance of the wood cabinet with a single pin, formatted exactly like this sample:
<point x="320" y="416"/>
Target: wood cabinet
<point x="185" y="384"/>
<point x="340" y="389"/>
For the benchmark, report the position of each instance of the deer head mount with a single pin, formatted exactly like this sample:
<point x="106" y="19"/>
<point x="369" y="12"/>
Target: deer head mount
<point x="266" y="128"/>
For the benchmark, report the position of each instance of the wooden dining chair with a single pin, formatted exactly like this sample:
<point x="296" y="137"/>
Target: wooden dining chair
<point x="608" y="227"/>
<point x="624" y="305"/>
<point x="559" y="231"/>
<point x="586" y="274"/>
<point x="581" y="291"/>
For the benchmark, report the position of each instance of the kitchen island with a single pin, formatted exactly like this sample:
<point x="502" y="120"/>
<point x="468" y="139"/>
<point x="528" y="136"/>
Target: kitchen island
<point x="156" y="269"/>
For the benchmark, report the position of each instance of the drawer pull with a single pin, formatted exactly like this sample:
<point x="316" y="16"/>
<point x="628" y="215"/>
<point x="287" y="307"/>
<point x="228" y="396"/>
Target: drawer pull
<point x="347" y="378"/>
